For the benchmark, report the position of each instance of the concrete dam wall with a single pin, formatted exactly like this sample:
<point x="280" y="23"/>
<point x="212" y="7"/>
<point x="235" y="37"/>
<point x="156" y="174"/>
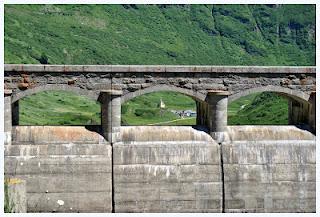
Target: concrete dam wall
<point x="269" y="169"/>
<point x="165" y="169"/>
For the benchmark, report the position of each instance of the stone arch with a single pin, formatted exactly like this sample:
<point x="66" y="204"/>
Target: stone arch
<point x="195" y="95"/>
<point x="293" y="94"/>
<point x="21" y="94"/>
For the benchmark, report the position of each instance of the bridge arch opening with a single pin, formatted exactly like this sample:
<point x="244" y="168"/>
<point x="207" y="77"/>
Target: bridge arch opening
<point x="54" y="87"/>
<point x="271" y="106"/>
<point x="159" y="106"/>
<point x="55" y="107"/>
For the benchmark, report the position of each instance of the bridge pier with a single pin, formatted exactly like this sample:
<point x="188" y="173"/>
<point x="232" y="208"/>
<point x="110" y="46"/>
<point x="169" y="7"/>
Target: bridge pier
<point x="202" y="113"/>
<point x="111" y="114"/>
<point x="312" y="112"/>
<point x="15" y="113"/>
<point x="301" y="113"/>
<point x="7" y="117"/>
<point x="217" y="114"/>
<point x="298" y="112"/>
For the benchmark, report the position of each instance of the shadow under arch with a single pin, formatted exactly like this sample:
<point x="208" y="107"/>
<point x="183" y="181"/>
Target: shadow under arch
<point x="296" y="95"/>
<point x="198" y="97"/>
<point x="83" y="92"/>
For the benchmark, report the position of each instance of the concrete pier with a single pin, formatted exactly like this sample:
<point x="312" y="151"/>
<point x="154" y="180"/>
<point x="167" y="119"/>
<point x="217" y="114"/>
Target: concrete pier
<point x="111" y="114"/>
<point x="217" y="116"/>
<point x="7" y="117"/>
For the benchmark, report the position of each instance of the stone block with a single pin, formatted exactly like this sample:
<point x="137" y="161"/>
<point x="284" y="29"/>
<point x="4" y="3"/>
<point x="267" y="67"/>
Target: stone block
<point x="284" y="153"/>
<point x="247" y="173"/>
<point x="235" y="204"/>
<point x="308" y="153"/>
<point x="70" y="202"/>
<point x="177" y="191"/>
<point x="208" y="190"/>
<point x="177" y="205"/>
<point x="205" y="204"/>
<point x="54" y="68"/>
<point x="68" y="182"/>
<point x="136" y="192"/>
<point x="244" y="153"/>
<point x="130" y="155"/>
<point x="97" y="68"/>
<point x="153" y="68"/>
<point x="200" y="173"/>
<point x="120" y="68"/>
<point x="285" y="172"/>
<point x="53" y="165"/>
<point x="60" y="149"/>
<point x="136" y="206"/>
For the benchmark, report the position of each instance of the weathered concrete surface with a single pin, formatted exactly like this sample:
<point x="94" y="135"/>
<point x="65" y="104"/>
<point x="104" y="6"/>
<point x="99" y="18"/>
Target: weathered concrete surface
<point x="67" y="169"/>
<point x="111" y="114"/>
<point x="267" y="132"/>
<point x="7" y="120"/>
<point x="166" y="169"/>
<point x="16" y="194"/>
<point x="269" y="169"/>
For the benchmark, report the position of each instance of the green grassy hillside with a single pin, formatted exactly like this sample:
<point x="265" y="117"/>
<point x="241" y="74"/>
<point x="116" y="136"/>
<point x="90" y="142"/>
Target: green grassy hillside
<point x="160" y="34"/>
<point x="58" y="108"/>
<point x="264" y="108"/>
<point x="156" y="34"/>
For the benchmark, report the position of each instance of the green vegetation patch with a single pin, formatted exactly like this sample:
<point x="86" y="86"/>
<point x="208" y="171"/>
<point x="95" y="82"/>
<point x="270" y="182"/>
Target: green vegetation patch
<point x="259" y="109"/>
<point x="58" y="108"/>
<point x="160" y="34"/>
<point x="145" y="109"/>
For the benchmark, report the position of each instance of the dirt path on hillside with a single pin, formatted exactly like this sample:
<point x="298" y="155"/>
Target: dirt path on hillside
<point x="164" y="122"/>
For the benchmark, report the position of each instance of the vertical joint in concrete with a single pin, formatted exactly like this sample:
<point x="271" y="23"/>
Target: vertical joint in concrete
<point x="217" y="114"/>
<point x="7" y="116"/>
<point x="111" y="114"/>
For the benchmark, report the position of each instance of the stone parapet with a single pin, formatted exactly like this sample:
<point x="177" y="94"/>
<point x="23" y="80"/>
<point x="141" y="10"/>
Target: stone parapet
<point x="158" y="68"/>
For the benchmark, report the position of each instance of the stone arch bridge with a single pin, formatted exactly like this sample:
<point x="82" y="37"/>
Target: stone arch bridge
<point x="164" y="169"/>
<point x="210" y="86"/>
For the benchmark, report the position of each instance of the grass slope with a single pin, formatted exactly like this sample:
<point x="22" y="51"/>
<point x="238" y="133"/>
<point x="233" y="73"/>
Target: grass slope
<point x="58" y="108"/>
<point x="160" y="34"/>
<point x="264" y="108"/>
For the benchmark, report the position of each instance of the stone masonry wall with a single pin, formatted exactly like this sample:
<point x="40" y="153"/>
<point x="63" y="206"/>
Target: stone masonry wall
<point x="192" y="80"/>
